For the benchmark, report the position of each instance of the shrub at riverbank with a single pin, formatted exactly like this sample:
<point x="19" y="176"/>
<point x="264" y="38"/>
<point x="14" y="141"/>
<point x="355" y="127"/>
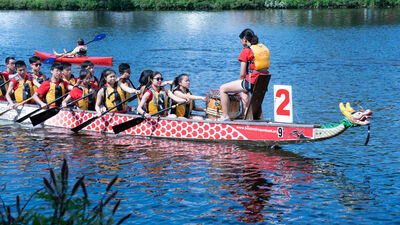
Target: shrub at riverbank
<point x="189" y="4"/>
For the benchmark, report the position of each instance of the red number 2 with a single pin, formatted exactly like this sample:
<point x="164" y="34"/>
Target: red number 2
<point x="281" y="110"/>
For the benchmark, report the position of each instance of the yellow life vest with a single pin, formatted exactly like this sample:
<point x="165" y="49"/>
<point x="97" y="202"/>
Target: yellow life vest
<point x="113" y="97"/>
<point x="24" y="89"/>
<point x="82" y="50"/>
<point x="72" y="81"/>
<point x="126" y="94"/>
<point x="3" y="89"/>
<point x="40" y="78"/>
<point x="158" y="102"/>
<point x="55" y="91"/>
<point x="84" y="104"/>
<point x="183" y="110"/>
<point x="261" y="57"/>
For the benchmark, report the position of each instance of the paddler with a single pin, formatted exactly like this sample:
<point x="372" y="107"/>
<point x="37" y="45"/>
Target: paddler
<point x="5" y="76"/>
<point x="79" y="50"/>
<point x="109" y="93"/>
<point x="21" y="86"/>
<point x="89" y="65"/>
<point x="182" y="84"/>
<point x="254" y="60"/>
<point x="124" y="70"/>
<point x="67" y="73"/>
<point x="38" y="77"/>
<point x="85" y="88"/>
<point x="155" y="98"/>
<point x="52" y="89"/>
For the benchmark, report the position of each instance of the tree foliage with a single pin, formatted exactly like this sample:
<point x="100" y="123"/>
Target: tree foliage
<point x="188" y="4"/>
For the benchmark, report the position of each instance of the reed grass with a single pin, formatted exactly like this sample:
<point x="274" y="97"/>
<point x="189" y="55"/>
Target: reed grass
<point x="66" y="206"/>
<point x="188" y="4"/>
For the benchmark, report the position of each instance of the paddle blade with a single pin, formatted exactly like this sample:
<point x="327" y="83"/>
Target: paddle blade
<point x="49" y="60"/>
<point x="84" y="124"/>
<point x="99" y="37"/>
<point x="20" y="120"/>
<point x="126" y="125"/>
<point x="43" y="116"/>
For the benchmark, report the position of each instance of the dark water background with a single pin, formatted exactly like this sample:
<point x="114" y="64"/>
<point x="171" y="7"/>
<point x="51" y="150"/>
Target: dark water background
<point x="328" y="56"/>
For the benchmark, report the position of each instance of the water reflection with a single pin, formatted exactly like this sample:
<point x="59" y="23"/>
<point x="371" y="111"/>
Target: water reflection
<point x="246" y="183"/>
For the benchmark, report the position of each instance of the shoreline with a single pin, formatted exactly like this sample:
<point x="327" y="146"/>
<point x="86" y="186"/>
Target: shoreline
<point x="189" y="5"/>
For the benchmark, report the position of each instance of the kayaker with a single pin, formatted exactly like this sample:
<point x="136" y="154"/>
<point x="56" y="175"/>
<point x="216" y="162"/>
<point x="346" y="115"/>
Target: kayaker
<point x="182" y="84"/>
<point x="109" y="93"/>
<point x="67" y="73"/>
<point x="89" y="65"/>
<point x="21" y="86"/>
<point x="254" y="60"/>
<point x="38" y="77"/>
<point x="80" y="50"/>
<point x="83" y="89"/>
<point x="155" y="98"/>
<point x="6" y="75"/>
<point x="52" y="88"/>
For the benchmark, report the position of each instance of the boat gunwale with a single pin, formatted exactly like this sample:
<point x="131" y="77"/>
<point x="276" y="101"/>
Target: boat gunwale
<point x="265" y="123"/>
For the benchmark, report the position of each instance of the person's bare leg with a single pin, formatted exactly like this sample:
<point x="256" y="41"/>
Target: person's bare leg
<point x="231" y="87"/>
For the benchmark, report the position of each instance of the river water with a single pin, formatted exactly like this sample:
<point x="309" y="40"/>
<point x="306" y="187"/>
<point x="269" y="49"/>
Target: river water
<point x="328" y="56"/>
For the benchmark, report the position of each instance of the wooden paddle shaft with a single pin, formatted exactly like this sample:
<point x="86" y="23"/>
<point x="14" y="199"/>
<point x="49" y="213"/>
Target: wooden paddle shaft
<point x="17" y="105"/>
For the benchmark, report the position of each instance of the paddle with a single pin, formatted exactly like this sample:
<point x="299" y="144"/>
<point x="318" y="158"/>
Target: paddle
<point x="5" y="83"/>
<point x="89" y="121"/>
<point x="43" y="116"/>
<point x="133" y="122"/>
<point x="16" y="106"/>
<point x="37" y="110"/>
<point x="9" y="79"/>
<point x="97" y="38"/>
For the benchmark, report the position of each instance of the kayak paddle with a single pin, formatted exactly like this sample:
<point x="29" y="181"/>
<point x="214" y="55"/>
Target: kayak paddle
<point x="43" y="116"/>
<point x="97" y="38"/>
<point x="89" y="121"/>
<point x="133" y="122"/>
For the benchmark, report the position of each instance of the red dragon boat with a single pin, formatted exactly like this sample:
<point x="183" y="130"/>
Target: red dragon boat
<point x="104" y="61"/>
<point x="261" y="132"/>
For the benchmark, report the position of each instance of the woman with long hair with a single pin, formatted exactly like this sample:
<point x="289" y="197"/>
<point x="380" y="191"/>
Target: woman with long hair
<point x="155" y="97"/>
<point x="182" y="84"/>
<point x="254" y="60"/>
<point x="109" y="93"/>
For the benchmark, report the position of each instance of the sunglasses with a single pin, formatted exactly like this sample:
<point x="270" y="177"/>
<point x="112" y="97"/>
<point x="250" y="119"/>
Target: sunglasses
<point x="159" y="79"/>
<point x="37" y="64"/>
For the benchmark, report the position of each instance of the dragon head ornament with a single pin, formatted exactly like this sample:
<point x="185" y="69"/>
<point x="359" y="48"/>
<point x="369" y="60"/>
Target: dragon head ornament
<point x="359" y="117"/>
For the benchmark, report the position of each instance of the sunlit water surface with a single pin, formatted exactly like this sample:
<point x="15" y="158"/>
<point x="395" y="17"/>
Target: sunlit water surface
<point x="328" y="56"/>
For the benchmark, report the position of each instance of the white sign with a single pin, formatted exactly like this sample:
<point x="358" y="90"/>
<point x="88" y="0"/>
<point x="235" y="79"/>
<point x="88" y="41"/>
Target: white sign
<point x="283" y="108"/>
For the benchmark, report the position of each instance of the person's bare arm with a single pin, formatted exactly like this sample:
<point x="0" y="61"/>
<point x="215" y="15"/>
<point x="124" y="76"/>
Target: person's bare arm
<point x="36" y="98"/>
<point x="99" y="100"/>
<point x="128" y="89"/>
<point x="243" y="70"/>
<point x="9" y="92"/>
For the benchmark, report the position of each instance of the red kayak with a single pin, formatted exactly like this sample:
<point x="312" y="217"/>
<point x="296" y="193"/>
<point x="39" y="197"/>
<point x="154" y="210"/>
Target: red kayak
<point x="104" y="61"/>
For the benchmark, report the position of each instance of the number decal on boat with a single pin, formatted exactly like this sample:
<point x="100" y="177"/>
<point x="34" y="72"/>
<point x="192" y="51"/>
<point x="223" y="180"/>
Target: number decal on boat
<point x="280" y="132"/>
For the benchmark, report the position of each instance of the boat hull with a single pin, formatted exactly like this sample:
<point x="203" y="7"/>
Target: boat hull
<point x="261" y="133"/>
<point x="104" y="61"/>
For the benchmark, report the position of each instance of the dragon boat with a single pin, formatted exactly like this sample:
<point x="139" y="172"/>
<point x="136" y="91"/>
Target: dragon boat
<point x="257" y="132"/>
